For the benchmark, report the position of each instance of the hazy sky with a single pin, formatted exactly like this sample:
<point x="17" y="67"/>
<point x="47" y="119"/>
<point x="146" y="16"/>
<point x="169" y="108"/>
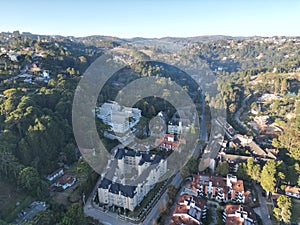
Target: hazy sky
<point x="152" y="18"/>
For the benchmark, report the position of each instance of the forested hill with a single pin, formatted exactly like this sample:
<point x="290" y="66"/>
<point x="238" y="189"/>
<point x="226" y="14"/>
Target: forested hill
<point x="35" y="109"/>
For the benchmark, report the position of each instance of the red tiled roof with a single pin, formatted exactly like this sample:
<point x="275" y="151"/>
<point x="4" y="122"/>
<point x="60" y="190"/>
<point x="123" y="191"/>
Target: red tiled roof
<point x="233" y="221"/>
<point x="294" y="190"/>
<point x="65" y="179"/>
<point x="182" y="212"/>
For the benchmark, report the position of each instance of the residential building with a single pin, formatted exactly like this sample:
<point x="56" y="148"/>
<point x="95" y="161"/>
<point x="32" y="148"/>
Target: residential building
<point x="189" y="210"/>
<point x="130" y="176"/>
<point x="169" y="142"/>
<point x="292" y="191"/>
<point x="239" y="215"/>
<point x="65" y="181"/>
<point x="175" y="129"/>
<point x="13" y="56"/>
<point x="219" y="188"/>
<point x="57" y="173"/>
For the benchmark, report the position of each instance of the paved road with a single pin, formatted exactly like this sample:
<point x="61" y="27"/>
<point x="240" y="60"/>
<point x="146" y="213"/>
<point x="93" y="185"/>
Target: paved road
<point x="263" y="210"/>
<point x="31" y="212"/>
<point x="203" y="128"/>
<point x="153" y="215"/>
<point x="239" y="112"/>
<point x="106" y="218"/>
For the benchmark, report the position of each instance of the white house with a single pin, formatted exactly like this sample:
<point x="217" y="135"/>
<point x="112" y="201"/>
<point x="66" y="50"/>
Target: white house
<point x="65" y="181"/>
<point x="57" y="173"/>
<point x="292" y="192"/>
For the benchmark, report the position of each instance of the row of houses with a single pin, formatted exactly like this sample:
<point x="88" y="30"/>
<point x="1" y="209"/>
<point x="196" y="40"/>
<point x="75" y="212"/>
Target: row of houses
<point x="218" y="188"/>
<point x="169" y="142"/>
<point x="191" y="207"/>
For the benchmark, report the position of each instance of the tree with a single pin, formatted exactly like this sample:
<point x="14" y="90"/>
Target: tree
<point x="290" y="140"/>
<point x="284" y="86"/>
<point x="28" y="178"/>
<point x="192" y="165"/>
<point x="222" y="168"/>
<point x="268" y="180"/>
<point x="30" y="181"/>
<point x="250" y="163"/>
<point x="45" y="217"/>
<point x="283" y="212"/>
<point x="172" y="191"/>
<point x="74" y="216"/>
<point x="256" y="173"/>
<point x="242" y="171"/>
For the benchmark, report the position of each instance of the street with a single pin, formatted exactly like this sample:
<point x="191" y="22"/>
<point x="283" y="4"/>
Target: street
<point x="262" y="211"/>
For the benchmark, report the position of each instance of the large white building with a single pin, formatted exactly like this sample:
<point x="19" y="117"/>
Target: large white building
<point x="129" y="165"/>
<point x="120" y="118"/>
<point x="175" y="129"/>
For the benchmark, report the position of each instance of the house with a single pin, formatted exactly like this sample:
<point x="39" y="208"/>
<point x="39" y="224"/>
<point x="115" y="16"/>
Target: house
<point x="129" y="177"/>
<point x="13" y="57"/>
<point x="46" y="75"/>
<point x="265" y="98"/>
<point x="3" y="49"/>
<point x="292" y="191"/>
<point x="35" y="67"/>
<point x="219" y="188"/>
<point x="239" y="215"/>
<point x="169" y="142"/>
<point x="189" y="210"/>
<point x="65" y="181"/>
<point x="261" y="120"/>
<point x="57" y="173"/>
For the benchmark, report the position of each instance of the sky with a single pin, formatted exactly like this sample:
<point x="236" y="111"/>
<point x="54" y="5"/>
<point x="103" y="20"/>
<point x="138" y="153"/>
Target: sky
<point x="152" y="18"/>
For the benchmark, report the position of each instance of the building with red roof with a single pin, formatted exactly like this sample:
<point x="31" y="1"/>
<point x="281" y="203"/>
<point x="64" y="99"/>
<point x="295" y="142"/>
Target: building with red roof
<point x="189" y="210"/>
